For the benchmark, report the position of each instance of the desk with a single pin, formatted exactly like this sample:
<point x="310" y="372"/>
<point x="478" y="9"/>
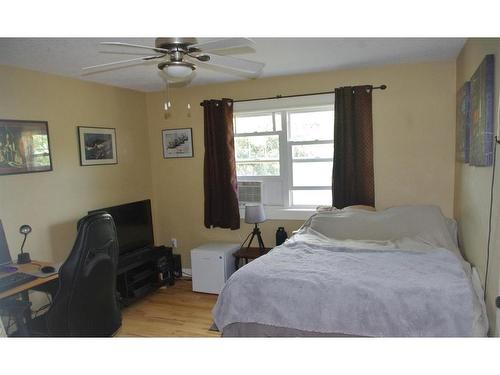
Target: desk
<point x="248" y="253"/>
<point x="23" y="290"/>
<point x="28" y="267"/>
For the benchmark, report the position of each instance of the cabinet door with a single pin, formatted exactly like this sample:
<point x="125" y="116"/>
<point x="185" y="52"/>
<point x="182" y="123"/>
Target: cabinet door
<point x="208" y="272"/>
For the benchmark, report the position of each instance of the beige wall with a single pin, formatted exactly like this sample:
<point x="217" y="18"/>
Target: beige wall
<point x="473" y="184"/>
<point x="414" y="144"/>
<point x="413" y="136"/>
<point x="52" y="202"/>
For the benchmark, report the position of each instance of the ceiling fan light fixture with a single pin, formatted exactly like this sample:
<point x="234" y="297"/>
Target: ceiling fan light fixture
<point x="178" y="69"/>
<point x="179" y="57"/>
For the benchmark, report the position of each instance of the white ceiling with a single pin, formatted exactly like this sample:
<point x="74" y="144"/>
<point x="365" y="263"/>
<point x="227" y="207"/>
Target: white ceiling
<point x="283" y="56"/>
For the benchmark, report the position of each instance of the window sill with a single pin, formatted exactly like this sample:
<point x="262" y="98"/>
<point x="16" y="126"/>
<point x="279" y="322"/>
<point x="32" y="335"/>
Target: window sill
<point x="280" y="213"/>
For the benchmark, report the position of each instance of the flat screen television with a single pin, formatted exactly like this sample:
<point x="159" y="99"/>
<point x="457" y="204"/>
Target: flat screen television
<point x="134" y="225"/>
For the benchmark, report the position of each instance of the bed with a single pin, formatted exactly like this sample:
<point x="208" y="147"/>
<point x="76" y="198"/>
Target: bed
<point x="353" y="272"/>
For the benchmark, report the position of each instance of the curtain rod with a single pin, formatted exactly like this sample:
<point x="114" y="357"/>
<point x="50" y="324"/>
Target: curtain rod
<point x="381" y="87"/>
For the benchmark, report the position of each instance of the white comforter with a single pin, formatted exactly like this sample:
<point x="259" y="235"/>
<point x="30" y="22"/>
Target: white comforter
<point x="340" y="275"/>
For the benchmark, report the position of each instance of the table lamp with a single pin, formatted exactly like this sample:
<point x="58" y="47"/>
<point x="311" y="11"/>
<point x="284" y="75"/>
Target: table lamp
<point x="254" y="214"/>
<point x="23" y="257"/>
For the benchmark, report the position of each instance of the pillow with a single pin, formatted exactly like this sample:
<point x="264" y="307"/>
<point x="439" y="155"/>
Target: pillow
<point x="334" y="209"/>
<point x="422" y="223"/>
<point x="326" y="208"/>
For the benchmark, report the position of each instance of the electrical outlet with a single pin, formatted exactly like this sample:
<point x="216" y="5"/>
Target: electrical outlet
<point x="173" y="241"/>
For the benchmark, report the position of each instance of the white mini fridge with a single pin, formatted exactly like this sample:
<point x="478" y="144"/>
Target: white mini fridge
<point x="211" y="265"/>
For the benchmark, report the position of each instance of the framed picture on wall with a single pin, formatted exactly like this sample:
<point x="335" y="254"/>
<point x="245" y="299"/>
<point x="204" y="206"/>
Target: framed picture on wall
<point x="97" y="145"/>
<point x="463" y="119"/>
<point x="482" y="103"/>
<point x="177" y="143"/>
<point x="24" y="147"/>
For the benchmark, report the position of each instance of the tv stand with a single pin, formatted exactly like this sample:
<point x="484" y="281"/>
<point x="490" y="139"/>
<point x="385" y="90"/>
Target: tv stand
<point x="143" y="271"/>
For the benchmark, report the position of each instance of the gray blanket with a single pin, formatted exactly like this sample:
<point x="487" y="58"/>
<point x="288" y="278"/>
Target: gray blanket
<point x="352" y="288"/>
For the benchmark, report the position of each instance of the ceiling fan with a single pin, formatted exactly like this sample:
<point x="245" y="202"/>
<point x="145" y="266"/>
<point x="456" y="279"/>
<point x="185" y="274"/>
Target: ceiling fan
<point x="180" y="57"/>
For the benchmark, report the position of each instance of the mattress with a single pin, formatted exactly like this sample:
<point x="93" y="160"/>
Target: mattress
<point x="264" y="330"/>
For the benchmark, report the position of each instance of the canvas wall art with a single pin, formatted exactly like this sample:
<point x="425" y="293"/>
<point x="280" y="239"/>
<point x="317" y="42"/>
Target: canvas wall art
<point x="97" y="146"/>
<point x="24" y="147"/>
<point x="463" y="124"/>
<point x="177" y="143"/>
<point x="482" y="97"/>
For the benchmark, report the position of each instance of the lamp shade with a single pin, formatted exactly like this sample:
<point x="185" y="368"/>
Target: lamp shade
<point x="254" y="214"/>
<point x="25" y="229"/>
<point x="179" y="71"/>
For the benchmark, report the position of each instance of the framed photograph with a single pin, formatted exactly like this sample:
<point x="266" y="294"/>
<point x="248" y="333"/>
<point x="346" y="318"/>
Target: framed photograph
<point x="97" y="145"/>
<point x="463" y="119"/>
<point x="24" y="147"/>
<point x="177" y="143"/>
<point x="482" y="104"/>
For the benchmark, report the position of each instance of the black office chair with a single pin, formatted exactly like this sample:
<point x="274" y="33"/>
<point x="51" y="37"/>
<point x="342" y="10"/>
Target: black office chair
<point x="86" y="302"/>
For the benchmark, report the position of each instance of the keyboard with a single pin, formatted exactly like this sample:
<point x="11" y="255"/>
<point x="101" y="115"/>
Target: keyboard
<point x="15" y="279"/>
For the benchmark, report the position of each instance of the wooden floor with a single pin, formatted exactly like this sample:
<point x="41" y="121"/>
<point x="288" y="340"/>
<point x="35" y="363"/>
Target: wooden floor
<point x="175" y="311"/>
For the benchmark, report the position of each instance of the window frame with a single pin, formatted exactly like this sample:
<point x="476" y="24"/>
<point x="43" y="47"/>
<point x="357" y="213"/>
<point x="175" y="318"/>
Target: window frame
<point x="280" y="133"/>
<point x="290" y="161"/>
<point x="286" y="160"/>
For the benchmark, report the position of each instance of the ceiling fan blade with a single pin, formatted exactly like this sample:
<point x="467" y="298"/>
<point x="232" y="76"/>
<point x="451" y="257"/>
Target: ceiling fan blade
<point x="120" y="44"/>
<point x="123" y="62"/>
<point x="220" y="44"/>
<point x="233" y="63"/>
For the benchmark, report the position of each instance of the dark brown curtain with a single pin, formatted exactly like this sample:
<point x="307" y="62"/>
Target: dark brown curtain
<point x="352" y="181"/>
<point x="220" y="183"/>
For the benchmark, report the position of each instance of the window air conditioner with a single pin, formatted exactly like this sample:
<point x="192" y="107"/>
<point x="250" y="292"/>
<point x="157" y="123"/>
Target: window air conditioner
<point x="250" y="192"/>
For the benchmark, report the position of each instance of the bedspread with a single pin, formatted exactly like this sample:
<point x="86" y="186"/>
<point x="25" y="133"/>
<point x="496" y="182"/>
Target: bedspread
<point x="312" y="283"/>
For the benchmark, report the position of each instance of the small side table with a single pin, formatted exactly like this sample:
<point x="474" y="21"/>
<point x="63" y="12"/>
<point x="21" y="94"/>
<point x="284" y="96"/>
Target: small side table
<point x="247" y="253"/>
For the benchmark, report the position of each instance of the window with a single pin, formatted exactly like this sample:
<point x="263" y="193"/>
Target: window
<point x="40" y="150"/>
<point x="257" y="144"/>
<point x="289" y="148"/>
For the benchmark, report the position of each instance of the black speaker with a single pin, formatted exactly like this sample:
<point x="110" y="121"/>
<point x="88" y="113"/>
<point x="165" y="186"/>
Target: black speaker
<point x="177" y="266"/>
<point x="164" y="265"/>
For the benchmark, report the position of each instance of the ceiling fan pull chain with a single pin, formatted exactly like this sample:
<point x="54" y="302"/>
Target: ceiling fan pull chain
<point x="167" y="104"/>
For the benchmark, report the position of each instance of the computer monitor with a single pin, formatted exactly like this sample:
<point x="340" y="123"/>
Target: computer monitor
<point x="4" y="248"/>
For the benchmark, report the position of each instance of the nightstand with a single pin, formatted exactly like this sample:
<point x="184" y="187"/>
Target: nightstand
<point x="247" y="253"/>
